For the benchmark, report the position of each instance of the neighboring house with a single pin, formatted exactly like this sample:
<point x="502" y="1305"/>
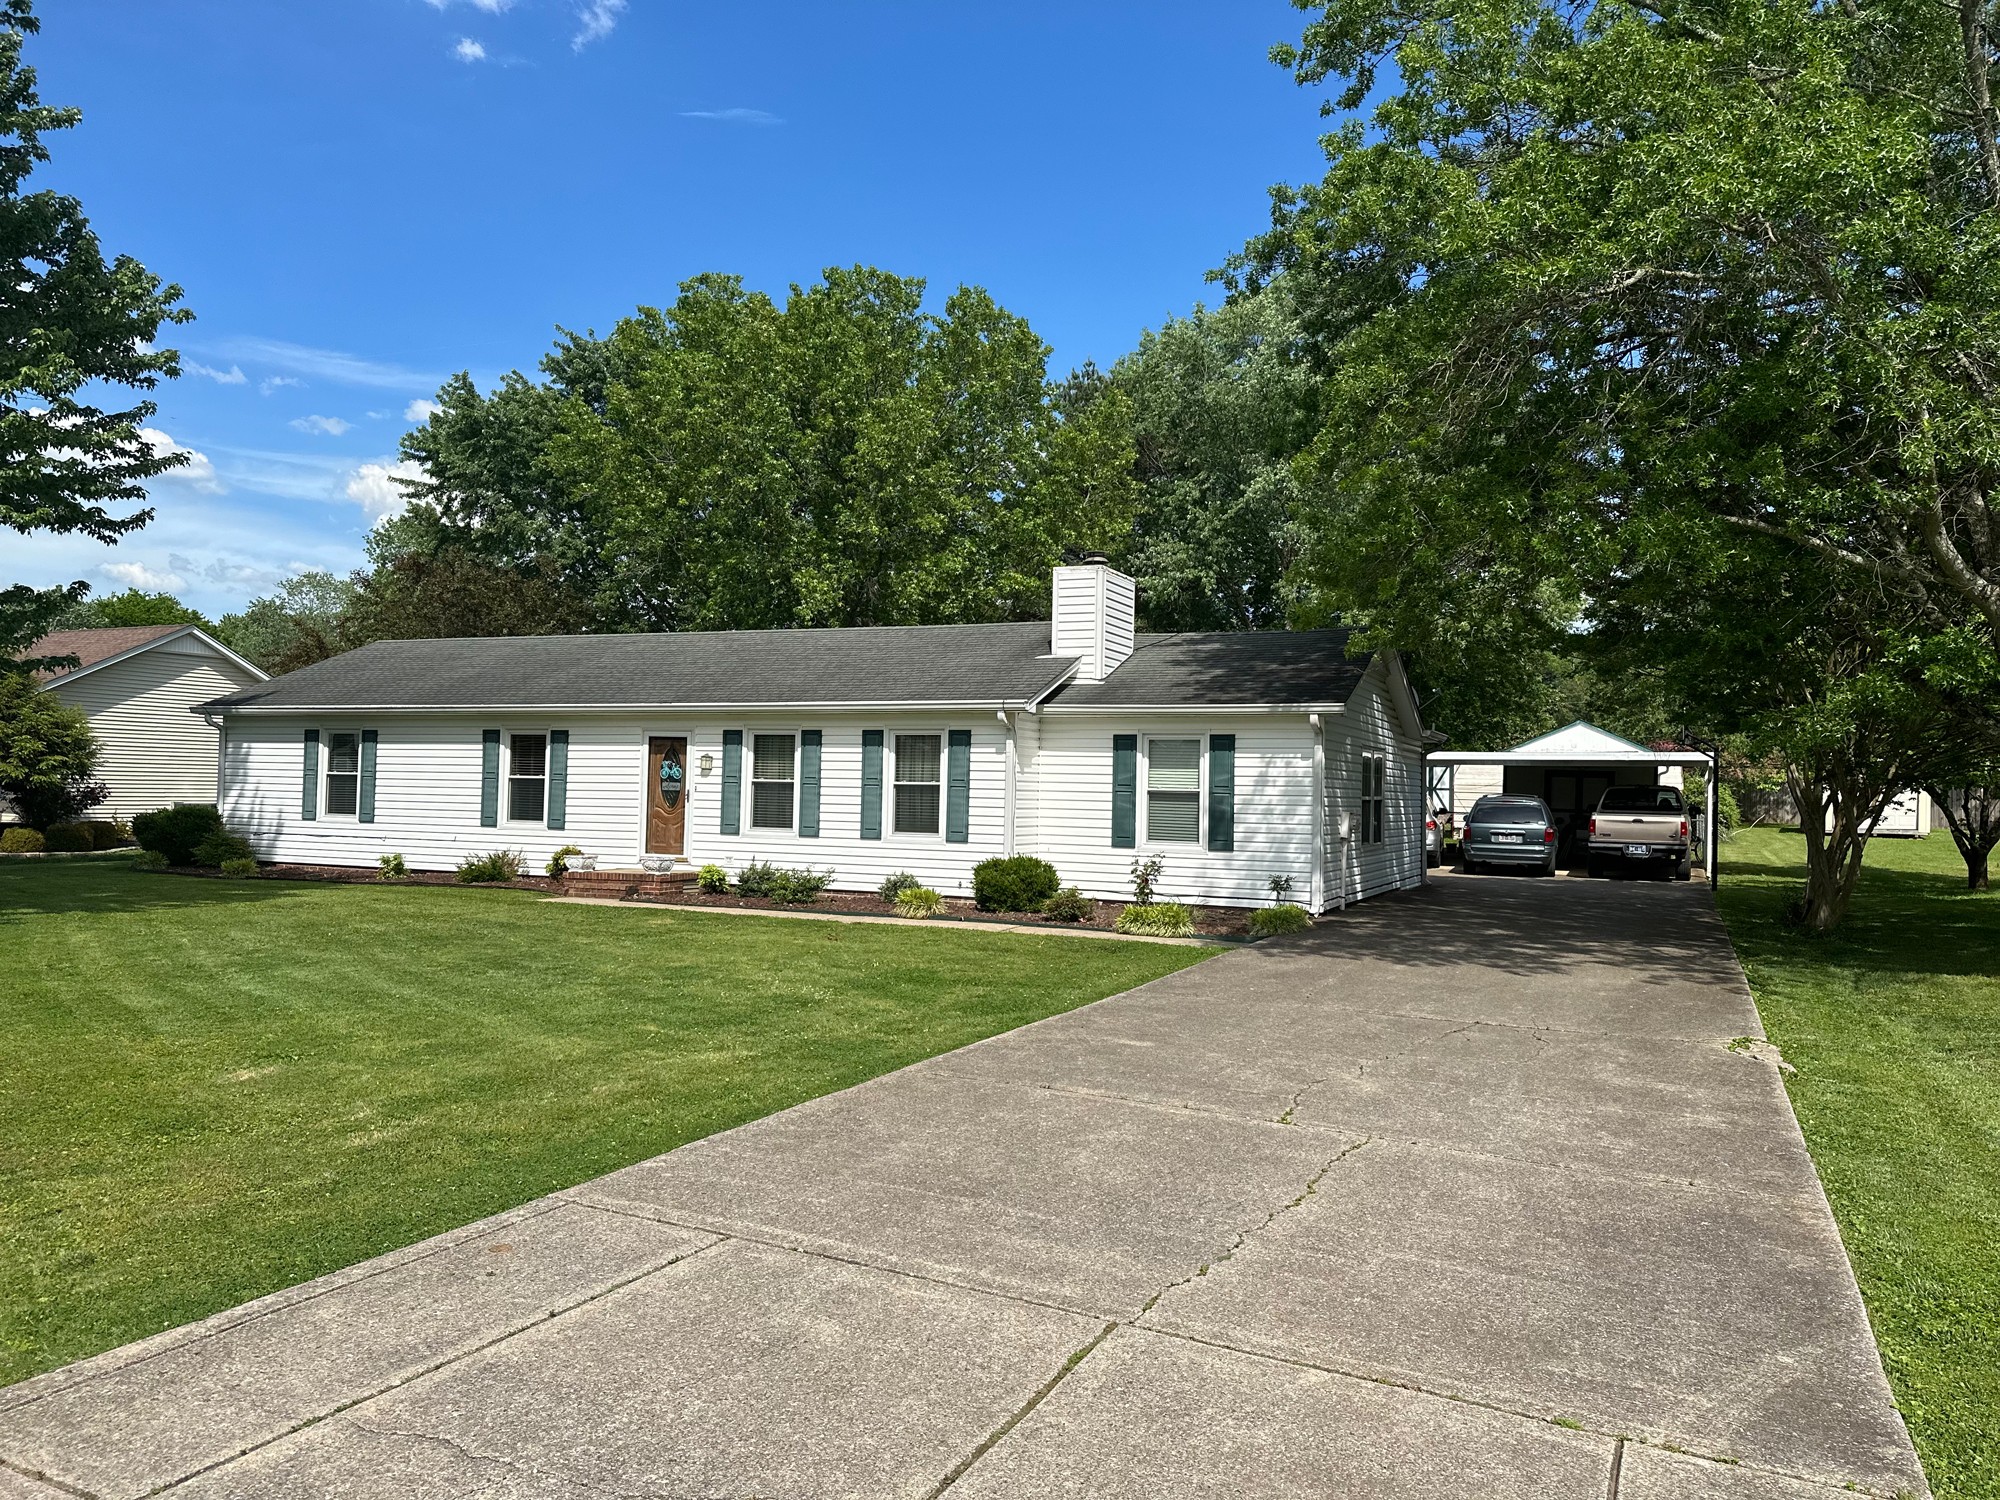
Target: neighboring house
<point x="1236" y="757"/>
<point x="137" y="685"/>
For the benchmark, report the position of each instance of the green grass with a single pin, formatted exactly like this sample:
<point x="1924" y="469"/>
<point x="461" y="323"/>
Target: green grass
<point x="215" y="1089"/>
<point x="1894" y="1026"/>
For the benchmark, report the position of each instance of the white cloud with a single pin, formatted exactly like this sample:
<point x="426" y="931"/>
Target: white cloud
<point x="197" y="472"/>
<point x="139" y="576"/>
<point x="373" y="487"/>
<point x="277" y="382"/>
<point x="421" y="410"/>
<point x="733" y="116"/>
<point x="468" y="51"/>
<point x="327" y="426"/>
<point x="232" y="376"/>
<point x="491" y="7"/>
<point x="324" y="364"/>
<point x="597" y="19"/>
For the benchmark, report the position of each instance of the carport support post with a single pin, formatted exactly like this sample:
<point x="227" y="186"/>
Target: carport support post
<point x="1713" y="838"/>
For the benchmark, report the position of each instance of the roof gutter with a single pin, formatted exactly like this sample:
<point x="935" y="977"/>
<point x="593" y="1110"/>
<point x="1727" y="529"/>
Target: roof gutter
<point x="1102" y="709"/>
<point x="980" y="705"/>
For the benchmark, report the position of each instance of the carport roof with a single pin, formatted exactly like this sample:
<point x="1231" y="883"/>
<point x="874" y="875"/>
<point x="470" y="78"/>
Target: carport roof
<point x="1573" y="744"/>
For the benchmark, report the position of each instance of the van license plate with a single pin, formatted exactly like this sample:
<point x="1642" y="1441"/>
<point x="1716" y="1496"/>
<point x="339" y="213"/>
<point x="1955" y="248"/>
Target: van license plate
<point x="1506" y="838"/>
<point x="1638" y="851"/>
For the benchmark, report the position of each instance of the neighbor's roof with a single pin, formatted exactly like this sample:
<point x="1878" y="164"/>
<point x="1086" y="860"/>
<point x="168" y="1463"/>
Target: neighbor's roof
<point x="1001" y="665"/>
<point x="921" y="664"/>
<point x="1579" y="743"/>
<point x="90" y="647"/>
<point x="1227" y="669"/>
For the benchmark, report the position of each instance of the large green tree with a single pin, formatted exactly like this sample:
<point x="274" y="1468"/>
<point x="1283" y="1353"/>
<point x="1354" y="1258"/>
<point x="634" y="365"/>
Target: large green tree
<point x="48" y="755"/>
<point x="71" y="324"/>
<point x="133" y="607"/>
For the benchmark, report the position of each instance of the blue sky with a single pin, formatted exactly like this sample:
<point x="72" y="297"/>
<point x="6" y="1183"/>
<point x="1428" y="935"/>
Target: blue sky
<point x="361" y="196"/>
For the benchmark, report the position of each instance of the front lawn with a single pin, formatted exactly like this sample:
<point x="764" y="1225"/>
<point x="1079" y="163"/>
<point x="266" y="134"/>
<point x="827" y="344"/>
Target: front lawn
<point x="1894" y="1026"/>
<point x="215" y="1089"/>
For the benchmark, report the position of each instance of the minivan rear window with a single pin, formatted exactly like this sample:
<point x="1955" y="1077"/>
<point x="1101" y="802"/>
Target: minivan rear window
<point x="1666" y="799"/>
<point x="1508" y="812"/>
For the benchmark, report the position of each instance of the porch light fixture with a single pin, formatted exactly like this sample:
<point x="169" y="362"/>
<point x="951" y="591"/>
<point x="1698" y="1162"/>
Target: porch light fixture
<point x="707" y="764"/>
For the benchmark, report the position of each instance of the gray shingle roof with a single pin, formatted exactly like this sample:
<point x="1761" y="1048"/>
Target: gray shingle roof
<point x="1250" y="668"/>
<point x="996" y="664"/>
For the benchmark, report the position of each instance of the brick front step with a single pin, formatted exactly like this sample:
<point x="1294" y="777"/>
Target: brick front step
<point x="624" y="885"/>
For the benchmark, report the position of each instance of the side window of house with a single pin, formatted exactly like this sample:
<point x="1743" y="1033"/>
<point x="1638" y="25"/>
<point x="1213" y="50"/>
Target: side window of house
<point x="1173" y="791"/>
<point x="343" y="773"/>
<point x="1374" y="770"/>
<point x="771" y="780"/>
<point x="919" y="774"/>
<point x="527" y="778"/>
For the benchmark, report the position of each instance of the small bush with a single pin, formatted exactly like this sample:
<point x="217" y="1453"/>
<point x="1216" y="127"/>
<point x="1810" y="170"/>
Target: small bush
<point x="149" y="859"/>
<point x="222" y="846"/>
<point x="489" y="869"/>
<point x="898" y="883"/>
<point x="559" y="861"/>
<point x="1159" y="919"/>
<point x="391" y="868"/>
<point x="105" y="835"/>
<point x="799" y="887"/>
<point x="758" y="878"/>
<point x="1017" y="882"/>
<point x="240" y="869"/>
<point x="68" y="838"/>
<point x="1146" y="875"/>
<point x="176" y="831"/>
<point x="22" y="841"/>
<point x="1281" y="887"/>
<point x="713" y="879"/>
<point x="1069" y="905"/>
<point x="1276" y="919"/>
<point x="917" y="901"/>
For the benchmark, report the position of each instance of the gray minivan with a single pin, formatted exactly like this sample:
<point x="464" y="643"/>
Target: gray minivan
<point x="1510" y="830"/>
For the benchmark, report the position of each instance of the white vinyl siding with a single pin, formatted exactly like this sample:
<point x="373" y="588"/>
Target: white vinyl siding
<point x="1370" y="726"/>
<point x="919" y="772"/>
<point x="156" y="752"/>
<point x="1173" y="791"/>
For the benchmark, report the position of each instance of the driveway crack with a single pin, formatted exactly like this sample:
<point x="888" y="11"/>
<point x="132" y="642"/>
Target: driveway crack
<point x="1048" y="1389"/>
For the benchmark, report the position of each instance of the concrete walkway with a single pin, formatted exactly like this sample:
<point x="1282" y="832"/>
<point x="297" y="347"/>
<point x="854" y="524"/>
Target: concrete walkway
<point x="1462" y="1196"/>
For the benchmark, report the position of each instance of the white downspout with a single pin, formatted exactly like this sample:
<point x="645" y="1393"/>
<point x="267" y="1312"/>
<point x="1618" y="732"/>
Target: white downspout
<point x="1013" y="778"/>
<point x="1318" y="891"/>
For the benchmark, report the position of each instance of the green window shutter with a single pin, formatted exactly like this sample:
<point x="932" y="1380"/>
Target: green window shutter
<point x="558" y="778"/>
<point x="732" y="781"/>
<point x="958" y="788"/>
<point x="309" y="790"/>
<point x="809" y="748"/>
<point x="365" y="806"/>
<point x="871" y="783"/>
<point x="1222" y="792"/>
<point x="489" y="781"/>
<point x="1124" y="791"/>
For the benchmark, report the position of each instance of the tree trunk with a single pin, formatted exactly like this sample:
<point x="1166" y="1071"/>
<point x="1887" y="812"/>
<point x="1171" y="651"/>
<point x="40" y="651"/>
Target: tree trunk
<point x="1973" y="816"/>
<point x="1835" y="823"/>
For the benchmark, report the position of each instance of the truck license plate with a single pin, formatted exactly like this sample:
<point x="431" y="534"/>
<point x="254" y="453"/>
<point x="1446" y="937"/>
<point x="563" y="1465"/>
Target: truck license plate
<point x="1638" y="851"/>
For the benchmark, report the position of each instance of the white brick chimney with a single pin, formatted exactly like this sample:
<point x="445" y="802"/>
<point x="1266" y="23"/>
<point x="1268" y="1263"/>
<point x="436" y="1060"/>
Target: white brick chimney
<point x="1093" y="616"/>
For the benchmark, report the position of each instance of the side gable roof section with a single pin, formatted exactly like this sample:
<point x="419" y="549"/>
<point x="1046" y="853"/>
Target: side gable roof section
<point x="1578" y="738"/>
<point x="1574" y="744"/>
<point x="98" y="649"/>
<point x="1291" y="670"/>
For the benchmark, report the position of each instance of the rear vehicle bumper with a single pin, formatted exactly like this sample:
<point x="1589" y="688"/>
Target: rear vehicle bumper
<point x="1671" y="852"/>
<point x="1510" y="854"/>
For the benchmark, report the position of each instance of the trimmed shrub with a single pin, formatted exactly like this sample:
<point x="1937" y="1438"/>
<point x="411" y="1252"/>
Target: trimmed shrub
<point x="240" y="869"/>
<point x="1161" y="919"/>
<point x="1273" y="920"/>
<point x="713" y="879"/>
<point x="898" y="883"/>
<point x="916" y="901"/>
<point x="68" y="838"/>
<point x="176" y="831"/>
<point x="107" y="835"/>
<point x="391" y="868"/>
<point x="1069" y="905"/>
<point x="149" y="859"/>
<point x="22" y="841"/>
<point x="489" y="869"/>
<point x="222" y="846"/>
<point x="559" y="861"/>
<point x="799" y="887"/>
<point x="1018" y="882"/>
<point x="758" y="878"/>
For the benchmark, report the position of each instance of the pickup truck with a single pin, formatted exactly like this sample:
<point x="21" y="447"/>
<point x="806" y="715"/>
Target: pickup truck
<point x="1639" y="826"/>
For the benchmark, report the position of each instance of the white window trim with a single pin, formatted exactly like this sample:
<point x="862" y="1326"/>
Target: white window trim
<point x="889" y="783"/>
<point x="507" y="818"/>
<point x="1200" y="842"/>
<point x="326" y="775"/>
<point x="746" y="816"/>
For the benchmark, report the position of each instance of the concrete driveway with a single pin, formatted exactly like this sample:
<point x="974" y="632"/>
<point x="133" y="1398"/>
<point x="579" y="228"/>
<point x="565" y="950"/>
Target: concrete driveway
<point x="1461" y="1196"/>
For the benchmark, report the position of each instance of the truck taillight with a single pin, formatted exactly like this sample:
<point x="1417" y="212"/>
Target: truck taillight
<point x="1593" y="828"/>
<point x="1548" y="835"/>
<point x="1684" y="827"/>
<point x="1431" y="826"/>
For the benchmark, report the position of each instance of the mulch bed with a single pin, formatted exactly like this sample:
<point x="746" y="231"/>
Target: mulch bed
<point x="1209" y="921"/>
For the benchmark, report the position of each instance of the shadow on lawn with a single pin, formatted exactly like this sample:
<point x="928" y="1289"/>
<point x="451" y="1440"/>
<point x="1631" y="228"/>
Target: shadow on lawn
<point x="50" y="889"/>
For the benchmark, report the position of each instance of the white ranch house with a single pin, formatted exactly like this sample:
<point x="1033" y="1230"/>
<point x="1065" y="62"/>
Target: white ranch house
<point x="1235" y="756"/>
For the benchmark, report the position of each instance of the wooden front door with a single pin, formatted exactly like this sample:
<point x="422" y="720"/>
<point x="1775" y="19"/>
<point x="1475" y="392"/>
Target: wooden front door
<point x="666" y="795"/>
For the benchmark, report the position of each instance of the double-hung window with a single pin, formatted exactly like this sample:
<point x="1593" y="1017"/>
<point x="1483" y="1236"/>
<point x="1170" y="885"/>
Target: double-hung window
<point x="919" y="774"/>
<point x="343" y="773"/>
<point x="527" y="778"/>
<point x="1173" y="791"/>
<point x="1374" y="797"/>
<point x="772" y="762"/>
